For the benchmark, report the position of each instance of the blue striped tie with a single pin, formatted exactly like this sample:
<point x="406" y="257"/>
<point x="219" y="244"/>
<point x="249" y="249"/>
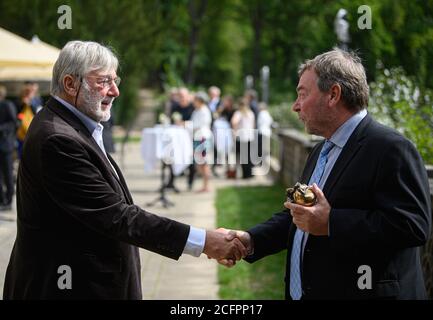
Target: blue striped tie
<point x="295" y="260"/>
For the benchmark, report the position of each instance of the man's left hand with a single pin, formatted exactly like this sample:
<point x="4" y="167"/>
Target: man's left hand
<point x="315" y="219"/>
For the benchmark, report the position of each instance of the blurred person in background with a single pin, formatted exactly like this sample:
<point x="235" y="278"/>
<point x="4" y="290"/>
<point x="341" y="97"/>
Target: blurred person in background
<point x="202" y="137"/>
<point x="172" y="101"/>
<point x="223" y="137"/>
<point x="214" y="106"/>
<point x="243" y="124"/>
<point x="36" y="101"/>
<point x="183" y="105"/>
<point x="181" y="112"/>
<point x="25" y="114"/>
<point x="264" y="126"/>
<point x="251" y="99"/>
<point x="227" y="108"/>
<point x="8" y="126"/>
<point x="214" y="99"/>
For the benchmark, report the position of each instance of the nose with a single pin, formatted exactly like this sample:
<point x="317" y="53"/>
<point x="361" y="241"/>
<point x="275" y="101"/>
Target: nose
<point x="114" y="90"/>
<point x="295" y="106"/>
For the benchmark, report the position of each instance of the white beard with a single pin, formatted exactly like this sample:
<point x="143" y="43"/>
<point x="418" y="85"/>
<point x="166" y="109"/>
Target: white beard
<point x="92" y="104"/>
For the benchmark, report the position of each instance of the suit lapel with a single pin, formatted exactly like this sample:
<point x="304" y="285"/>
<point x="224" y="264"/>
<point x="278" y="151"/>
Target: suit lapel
<point x="63" y="112"/>
<point x="349" y="151"/>
<point x="121" y="180"/>
<point x="311" y="163"/>
<point x="305" y="177"/>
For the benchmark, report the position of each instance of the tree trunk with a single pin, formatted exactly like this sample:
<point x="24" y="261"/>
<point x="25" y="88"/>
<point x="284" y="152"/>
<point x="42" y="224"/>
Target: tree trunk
<point x="257" y="24"/>
<point x="196" y="10"/>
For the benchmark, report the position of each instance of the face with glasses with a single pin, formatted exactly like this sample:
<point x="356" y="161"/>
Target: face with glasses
<point x="106" y="81"/>
<point x="97" y="93"/>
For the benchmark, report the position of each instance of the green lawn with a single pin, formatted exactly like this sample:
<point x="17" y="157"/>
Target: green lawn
<point x="130" y="139"/>
<point x="242" y="208"/>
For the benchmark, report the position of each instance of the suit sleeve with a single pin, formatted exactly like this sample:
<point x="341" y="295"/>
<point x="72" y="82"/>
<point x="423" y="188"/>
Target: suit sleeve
<point x="271" y="236"/>
<point x="77" y="186"/>
<point x="400" y="214"/>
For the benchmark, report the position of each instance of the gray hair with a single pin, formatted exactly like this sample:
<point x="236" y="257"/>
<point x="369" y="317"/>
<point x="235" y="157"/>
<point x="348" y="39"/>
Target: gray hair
<point x="202" y="96"/>
<point x="78" y="58"/>
<point x="215" y="89"/>
<point x="343" y="68"/>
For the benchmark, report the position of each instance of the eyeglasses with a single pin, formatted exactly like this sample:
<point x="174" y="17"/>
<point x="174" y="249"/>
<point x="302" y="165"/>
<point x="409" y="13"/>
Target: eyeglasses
<point x="106" y="82"/>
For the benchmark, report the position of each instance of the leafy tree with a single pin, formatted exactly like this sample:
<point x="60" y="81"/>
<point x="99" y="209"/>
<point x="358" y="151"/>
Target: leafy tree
<point x="164" y="43"/>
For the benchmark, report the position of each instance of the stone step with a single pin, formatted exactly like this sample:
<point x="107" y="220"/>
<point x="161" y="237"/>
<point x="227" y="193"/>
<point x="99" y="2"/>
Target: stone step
<point x="146" y="112"/>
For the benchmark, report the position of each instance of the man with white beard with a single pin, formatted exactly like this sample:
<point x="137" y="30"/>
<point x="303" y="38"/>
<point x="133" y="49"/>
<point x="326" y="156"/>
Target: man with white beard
<point x="78" y="230"/>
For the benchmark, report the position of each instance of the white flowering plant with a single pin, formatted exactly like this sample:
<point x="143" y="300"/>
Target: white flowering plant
<point x="176" y="116"/>
<point x="163" y="119"/>
<point x="397" y="101"/>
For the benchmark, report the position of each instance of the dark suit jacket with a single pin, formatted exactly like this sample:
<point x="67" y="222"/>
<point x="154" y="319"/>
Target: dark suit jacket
<point x="379" y="194"/>
<point x="74" y="211"/>
<point x="185" y="112"/>
<point x="8" y="126"/>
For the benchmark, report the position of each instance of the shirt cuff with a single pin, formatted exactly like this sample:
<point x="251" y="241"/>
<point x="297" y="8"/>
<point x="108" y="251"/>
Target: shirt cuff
<point x="195" y="242"/>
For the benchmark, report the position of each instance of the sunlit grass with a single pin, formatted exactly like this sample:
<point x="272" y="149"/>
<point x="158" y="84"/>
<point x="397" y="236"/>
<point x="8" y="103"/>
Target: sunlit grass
<point x="242" y="208"/>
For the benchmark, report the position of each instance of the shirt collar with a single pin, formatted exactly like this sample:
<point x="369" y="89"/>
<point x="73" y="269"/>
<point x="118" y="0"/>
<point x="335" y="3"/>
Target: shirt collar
<point x="340" y="137"/>
<point x="89" y="123"/>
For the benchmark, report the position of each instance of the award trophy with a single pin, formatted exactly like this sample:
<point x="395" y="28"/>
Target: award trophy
<point x="301" y="194"/>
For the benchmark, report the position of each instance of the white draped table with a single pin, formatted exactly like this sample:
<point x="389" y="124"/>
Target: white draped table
<point x="170" y="144"/>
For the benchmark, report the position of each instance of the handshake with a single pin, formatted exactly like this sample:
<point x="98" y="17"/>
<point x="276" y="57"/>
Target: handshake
<point x="227" y="246"/>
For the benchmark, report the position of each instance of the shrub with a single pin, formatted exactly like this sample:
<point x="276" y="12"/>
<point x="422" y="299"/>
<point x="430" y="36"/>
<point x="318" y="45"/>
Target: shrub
<point x="397" y="101"/>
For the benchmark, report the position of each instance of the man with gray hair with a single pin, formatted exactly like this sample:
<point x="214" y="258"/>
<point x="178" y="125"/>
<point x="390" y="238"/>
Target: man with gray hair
<point x="78" y="228"/>
<point x="361" y="238"/>
<point x="214" y="98"/>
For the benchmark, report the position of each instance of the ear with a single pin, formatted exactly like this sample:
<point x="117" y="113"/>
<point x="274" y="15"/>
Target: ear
<point x="334" y="94"/>
<point x="70" y="84"/>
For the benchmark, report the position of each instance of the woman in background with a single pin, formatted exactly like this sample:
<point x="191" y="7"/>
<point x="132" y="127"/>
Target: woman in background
<point x="201" y="119"/>
<point x="243" y="123"/>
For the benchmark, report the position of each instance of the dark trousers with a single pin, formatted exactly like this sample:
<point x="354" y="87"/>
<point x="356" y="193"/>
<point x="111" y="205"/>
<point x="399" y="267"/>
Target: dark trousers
<point x="243" y="150"/>
<point x="191" y="174"/>
<point x="6" y="178"/>
<point x="260" y="145"/>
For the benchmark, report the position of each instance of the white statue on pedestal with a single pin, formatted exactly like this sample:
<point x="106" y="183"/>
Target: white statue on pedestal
<point x="341" y="27"/>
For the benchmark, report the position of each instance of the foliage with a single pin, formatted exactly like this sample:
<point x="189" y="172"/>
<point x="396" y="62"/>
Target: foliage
<point x="127" y="104"/>
<point x="286" y="118"/>
<point x="242" y="208"/>
<point x="232" y="39"/>
<point x="399" y="102"/>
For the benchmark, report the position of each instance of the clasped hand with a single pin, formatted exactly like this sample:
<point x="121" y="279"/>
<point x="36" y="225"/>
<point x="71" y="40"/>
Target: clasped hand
<point x="223" y="246"/>
<point x="314" y="220"/>
<point x="241" y="246"/>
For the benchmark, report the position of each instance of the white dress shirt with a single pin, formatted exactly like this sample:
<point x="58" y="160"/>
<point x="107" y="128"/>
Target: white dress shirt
<point x="339" y="138"/>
